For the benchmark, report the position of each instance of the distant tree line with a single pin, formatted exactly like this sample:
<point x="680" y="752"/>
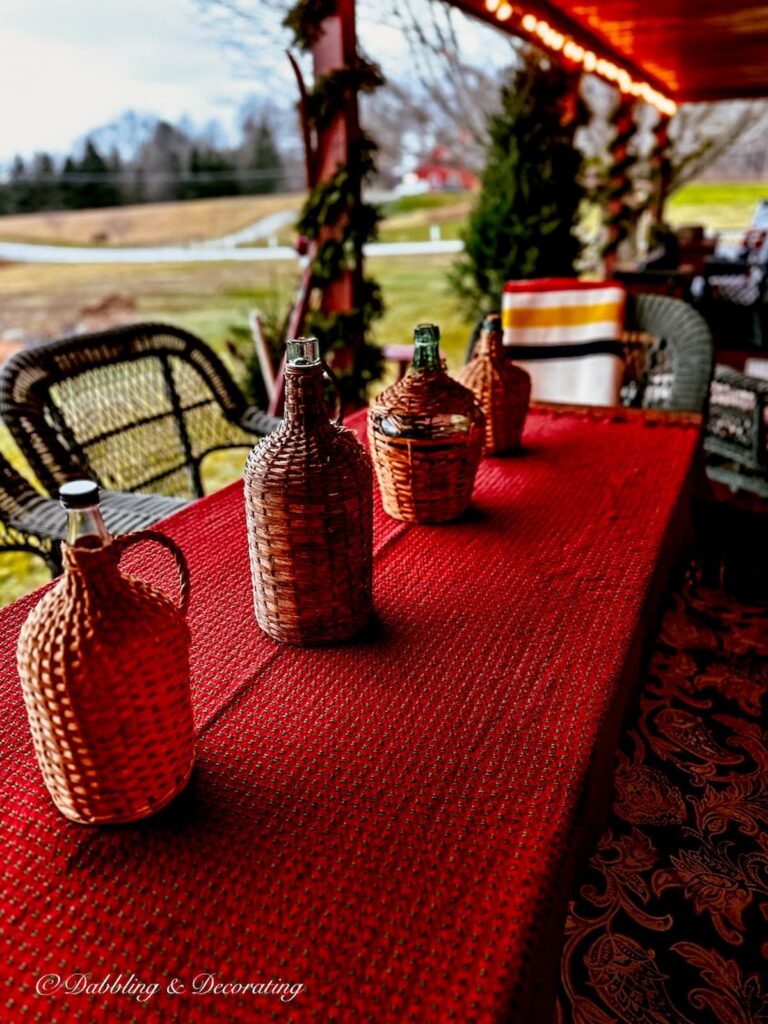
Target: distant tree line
<point x="171" y="164"/>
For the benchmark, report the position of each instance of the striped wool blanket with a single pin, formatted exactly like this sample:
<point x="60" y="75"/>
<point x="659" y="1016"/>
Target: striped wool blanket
<point x="566" y="334"/>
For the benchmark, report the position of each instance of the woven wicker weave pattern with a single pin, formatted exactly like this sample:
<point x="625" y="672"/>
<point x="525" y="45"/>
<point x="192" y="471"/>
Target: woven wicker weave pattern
<point x="503" y="391"/>
<point x="309" y="508"/>
<point x="104" y="664"/>
<point x="136" y="408"/>
<point x="426" y="474"/>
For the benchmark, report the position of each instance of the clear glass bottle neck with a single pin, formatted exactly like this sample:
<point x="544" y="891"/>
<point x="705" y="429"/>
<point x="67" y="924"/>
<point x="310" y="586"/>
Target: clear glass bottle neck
<point x="85" y="527"/>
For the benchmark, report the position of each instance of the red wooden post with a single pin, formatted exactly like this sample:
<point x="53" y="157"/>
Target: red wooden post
<point x="332" y="145"/>
<point x="337" y="48"/>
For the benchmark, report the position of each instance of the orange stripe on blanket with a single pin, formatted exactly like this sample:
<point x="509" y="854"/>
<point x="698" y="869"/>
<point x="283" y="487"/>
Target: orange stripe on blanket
<point x="561" y="316"/>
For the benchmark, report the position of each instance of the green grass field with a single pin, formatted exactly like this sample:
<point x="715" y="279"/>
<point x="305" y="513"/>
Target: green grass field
<point x="210" y="299"/>
<point x="723" y="206"/>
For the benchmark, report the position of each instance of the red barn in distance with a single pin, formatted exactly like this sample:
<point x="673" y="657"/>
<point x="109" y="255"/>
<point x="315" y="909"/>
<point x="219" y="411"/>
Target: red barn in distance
<point x="442" y="173"/>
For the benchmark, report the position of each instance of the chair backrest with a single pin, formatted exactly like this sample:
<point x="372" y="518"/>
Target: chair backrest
<point x="567" y="334"/>
<point x="17" y="495"/>
<point x="28" y="520"/>
<point x="135" y="408"/>
<point x="681" y="370"/>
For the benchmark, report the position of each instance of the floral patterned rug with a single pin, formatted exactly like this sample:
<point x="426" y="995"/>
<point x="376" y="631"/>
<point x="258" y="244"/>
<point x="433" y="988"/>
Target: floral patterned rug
<point x="670" y="920"/>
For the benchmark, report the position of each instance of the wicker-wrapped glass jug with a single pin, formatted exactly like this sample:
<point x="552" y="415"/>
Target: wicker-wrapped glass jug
<point x="309" y="511"/>
<point x="502" y="389"/>
<point x="104" y="666"/>
<point x="426" y="437"/>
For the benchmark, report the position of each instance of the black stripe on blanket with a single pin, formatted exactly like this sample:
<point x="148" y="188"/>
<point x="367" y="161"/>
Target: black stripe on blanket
<point x="571" y="351"/>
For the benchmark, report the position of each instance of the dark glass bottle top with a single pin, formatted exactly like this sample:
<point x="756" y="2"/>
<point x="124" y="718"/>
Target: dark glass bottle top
<point x="424" y="333"/>
<point x="79" y="494"/>
<point x="426" y="350"/>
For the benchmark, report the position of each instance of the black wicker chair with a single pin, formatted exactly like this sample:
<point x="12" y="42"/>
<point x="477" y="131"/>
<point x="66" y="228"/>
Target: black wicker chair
<point x="136" y="408"/>
<point x="31" y="522"/>
<point x="674" y="372"/>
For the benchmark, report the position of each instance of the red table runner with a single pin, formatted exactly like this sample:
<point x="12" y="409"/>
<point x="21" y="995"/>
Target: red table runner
<point x="376" y="831"/>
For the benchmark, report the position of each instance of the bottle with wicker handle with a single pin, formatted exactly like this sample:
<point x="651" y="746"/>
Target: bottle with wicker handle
<point x="502" y="389"/>
<point x="309" y="511"/>
<point x="426" y="437"/>
<point x="104" y="666"/>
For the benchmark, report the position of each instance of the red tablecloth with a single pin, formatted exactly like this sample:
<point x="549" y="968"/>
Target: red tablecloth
<point x="387" y="823"/>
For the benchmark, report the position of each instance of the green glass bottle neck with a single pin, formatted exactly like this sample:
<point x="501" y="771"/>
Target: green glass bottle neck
<point x="426" y="354"/>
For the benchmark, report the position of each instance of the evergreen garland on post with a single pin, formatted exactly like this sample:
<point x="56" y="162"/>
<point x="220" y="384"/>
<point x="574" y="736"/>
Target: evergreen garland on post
<point x="337" y="202"/>
<point x="522" y="223"/>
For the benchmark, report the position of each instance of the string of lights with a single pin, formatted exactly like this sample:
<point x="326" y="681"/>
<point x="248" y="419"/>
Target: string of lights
<point x="541" y="32"/>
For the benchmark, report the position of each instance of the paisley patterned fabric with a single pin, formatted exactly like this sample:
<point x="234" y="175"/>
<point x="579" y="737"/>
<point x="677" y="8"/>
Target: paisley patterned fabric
<point x="670" y="920"/>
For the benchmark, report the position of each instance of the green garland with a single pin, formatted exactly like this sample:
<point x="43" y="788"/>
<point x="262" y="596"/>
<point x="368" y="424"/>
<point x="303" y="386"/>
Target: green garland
<point x="337" y="202"/>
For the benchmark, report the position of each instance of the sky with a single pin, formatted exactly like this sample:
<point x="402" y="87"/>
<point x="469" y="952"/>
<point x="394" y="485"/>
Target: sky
<point x="70" y="66"/>
<point x="67" y="66"/>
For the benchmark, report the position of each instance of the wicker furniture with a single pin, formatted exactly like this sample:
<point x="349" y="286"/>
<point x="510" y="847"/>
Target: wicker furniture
<point x="426" y="435"/>
<point x="413" y="801"/>
<point x="734" y="296"/>
<point x="678" y="364"/>
<point x="736" y="440"/>
<point x="136" y="408"/>
<point x="104" y="667"/>
<point x="737" y="426"/>
<point x="32" y="522"/>
<point x="309" y="508"/>
<point x="668" y="348"/>
<point x="501" y="389"/>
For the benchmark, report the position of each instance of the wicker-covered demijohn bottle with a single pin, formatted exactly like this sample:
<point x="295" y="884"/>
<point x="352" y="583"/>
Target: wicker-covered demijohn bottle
<point x="502" y="389"/>
<point x="426" y="436"/>
<point x="309" y="512"/>
<point x="104" y="666"/>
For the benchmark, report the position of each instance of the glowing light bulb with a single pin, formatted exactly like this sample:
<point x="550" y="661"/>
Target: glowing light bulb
<point x="492" y="5"/>
<point x="530" y="22"/>
<point x="504" y="13"/>
<point x="590" y="61"/>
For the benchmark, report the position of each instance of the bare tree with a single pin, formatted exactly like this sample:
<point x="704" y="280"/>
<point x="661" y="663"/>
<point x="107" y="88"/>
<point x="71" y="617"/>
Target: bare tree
<point x="445" y="69"/>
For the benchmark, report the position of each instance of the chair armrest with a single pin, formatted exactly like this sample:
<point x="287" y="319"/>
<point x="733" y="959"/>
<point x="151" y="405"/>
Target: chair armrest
<point x="256" y="421"/>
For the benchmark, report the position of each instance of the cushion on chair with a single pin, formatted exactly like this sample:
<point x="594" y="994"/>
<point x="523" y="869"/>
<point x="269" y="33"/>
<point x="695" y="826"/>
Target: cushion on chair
<point x="566" y="334"/>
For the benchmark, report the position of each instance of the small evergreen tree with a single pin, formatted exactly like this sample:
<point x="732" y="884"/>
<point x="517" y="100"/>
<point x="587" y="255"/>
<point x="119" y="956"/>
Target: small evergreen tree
<point x="69" y="185"/>
<point x="44" y="183"/>
<point x="20" y="191"/>
<point x="260" y="157"/>
<point x="96" y="187"/>
<point x="522" y="222"/>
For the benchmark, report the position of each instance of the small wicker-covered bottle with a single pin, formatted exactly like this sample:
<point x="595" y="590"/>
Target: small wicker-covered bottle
<point x="309" y="511"/>
<point x="104" y="666"/>
<point x="426" y="437"/>
<point x="502" y="389"/>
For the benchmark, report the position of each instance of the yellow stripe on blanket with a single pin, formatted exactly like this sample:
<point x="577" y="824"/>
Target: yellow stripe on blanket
<point x="519" y="316"/>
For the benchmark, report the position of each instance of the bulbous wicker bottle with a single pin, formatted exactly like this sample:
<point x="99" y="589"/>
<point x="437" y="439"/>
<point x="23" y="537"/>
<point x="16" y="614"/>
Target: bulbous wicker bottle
<point x="502" y="389"/>
<point x="104" y="666"/>
<point x="309" y="510"/>
<point x="426" y="438"/>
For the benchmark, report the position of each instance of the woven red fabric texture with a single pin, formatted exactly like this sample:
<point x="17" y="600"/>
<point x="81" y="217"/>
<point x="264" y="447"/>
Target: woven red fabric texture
<point x="387" y="822"/>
